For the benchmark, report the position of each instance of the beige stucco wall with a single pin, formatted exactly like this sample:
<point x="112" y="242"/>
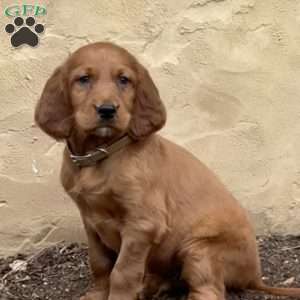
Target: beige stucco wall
<point x="228" y="71"/>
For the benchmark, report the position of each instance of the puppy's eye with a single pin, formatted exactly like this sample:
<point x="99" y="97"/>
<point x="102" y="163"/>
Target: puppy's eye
<point x="84" y="80"/>
<point x="123" y="80"/>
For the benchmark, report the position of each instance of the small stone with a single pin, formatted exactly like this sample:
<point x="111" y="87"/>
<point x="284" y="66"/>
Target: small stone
<point x="26" y="278"/>
<point x="289" y="281"/>
<point x="18" y="265"/>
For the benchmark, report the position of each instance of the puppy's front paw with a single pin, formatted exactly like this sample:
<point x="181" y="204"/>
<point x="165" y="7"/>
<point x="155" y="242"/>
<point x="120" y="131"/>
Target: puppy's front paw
<point x="95" y="295"/>
<point x="153" y="287"/>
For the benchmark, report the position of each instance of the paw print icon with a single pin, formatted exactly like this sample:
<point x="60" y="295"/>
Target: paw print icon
<point x="24" y="33"/>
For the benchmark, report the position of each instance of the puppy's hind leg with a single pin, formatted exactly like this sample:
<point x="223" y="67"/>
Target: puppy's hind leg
<point x="203" y="274"/>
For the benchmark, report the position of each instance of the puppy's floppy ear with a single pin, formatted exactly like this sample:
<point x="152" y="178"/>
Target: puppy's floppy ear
<point x="149" y="113"/>
<point x="53" y="113"/>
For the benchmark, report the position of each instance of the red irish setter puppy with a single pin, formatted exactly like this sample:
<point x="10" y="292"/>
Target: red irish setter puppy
<point x="147" y="204"/>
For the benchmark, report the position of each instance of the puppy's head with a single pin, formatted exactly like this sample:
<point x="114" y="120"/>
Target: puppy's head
<point x="101" y="91"/>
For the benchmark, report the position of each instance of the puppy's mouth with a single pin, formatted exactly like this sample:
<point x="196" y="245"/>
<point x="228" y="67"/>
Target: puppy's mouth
<point x="107" y="129"/>
<point x="104" y="132"/>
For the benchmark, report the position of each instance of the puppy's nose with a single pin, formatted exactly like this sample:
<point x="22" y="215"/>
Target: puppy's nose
<point x="106" y="111"/>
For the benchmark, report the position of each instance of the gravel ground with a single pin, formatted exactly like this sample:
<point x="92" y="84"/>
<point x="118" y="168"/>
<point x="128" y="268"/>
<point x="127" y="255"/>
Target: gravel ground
<point x="61" y="272"/>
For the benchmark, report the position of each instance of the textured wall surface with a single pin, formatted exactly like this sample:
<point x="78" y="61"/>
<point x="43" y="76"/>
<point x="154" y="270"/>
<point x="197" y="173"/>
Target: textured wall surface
<point x="228" y="72"/>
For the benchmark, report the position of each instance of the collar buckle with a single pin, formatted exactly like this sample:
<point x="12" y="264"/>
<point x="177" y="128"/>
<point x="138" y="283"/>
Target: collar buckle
<point x="103" y="151"/>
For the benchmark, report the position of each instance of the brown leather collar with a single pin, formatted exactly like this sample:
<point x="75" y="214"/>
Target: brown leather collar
<point x="99" y="154"/>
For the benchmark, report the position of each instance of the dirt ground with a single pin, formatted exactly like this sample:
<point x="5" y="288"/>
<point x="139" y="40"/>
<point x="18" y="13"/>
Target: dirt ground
<point x="61" y="272"/>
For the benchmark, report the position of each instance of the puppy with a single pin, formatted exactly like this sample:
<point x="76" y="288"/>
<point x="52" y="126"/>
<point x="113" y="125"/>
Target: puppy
<point x="148" y="206"/>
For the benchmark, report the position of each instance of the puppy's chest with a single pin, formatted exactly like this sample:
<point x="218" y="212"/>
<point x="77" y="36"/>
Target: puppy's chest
<point x="102" y="209"/>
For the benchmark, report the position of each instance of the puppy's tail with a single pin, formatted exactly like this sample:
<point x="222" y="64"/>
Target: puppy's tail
<point x="260" y="286"/>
